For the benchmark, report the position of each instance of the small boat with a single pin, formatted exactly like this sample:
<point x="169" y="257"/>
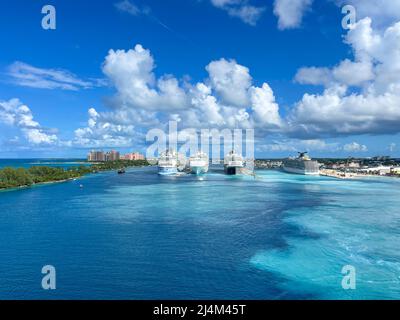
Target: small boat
<point x="121" y="171"/>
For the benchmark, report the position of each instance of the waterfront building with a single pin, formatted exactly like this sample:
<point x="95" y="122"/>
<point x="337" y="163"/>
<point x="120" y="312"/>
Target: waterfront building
<point x="112" y="156"/>
<point x="354" y="165"/>
<point x="381" y="170"/>
<point x="134" y="156"/>
<point x="395" y="171"/>
<point x="101" y="156"/>
<point x="381" y="158"/>
<point x="96" y="156"/>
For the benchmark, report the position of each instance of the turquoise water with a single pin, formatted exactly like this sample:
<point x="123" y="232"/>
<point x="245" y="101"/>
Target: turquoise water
<point x="26" y="163"/>
<point x="142" y="236"/>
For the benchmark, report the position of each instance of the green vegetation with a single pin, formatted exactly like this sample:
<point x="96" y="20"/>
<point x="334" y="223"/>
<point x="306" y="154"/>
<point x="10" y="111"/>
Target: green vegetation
<point x="119" y="164"/>
<point x="20" y="177"/>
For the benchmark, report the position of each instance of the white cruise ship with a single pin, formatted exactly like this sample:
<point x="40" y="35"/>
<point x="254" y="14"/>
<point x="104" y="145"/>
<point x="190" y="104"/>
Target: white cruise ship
<point x="199" y="163"/>
<point x="233" y="163"/>
<point x="301" y="165"/>
<point x="168" y="163"/>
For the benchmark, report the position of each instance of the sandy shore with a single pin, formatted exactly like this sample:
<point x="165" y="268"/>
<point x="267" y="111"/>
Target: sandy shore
<point x="349" y="175"/>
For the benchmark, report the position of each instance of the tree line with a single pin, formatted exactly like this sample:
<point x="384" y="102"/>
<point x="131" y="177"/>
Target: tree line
<point x="25" y="177"/>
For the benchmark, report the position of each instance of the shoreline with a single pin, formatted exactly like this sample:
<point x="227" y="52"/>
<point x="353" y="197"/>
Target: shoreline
<point x="42" y="184"/>
<point x="350" y="175"/>
<point x="341" y="175"/>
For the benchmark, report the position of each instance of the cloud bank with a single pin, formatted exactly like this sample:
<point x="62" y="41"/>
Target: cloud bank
<point x="14" y="113"/>
<point x="361" y="96"/>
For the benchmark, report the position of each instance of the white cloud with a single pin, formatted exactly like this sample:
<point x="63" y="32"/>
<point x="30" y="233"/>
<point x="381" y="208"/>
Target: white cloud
<point x="14" y="113"/>
<point x="241" y="9"/>
<point x="204" y="105"/>
<point x="355" y="147"/>
<point x="29" y="76"/>
<point x="128" y="7"/>
<point x="382" y="12"/>
<point x="226" y="98"/>
<point x="361" y="96"/>
<point x="266" y="110"/>
<point x="374" y="106"/>
<point x="230" y="81"/>
<point x="131" y="72"/>
<point x="290" y="12"/>
<point x="353" y="73"/>
<point x="296" y="145"/>
<point x="314" y="76"/>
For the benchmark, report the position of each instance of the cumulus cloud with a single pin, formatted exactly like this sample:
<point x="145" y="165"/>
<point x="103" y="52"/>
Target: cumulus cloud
<point x="290" y="12"/>
<point x="131" y="72"/>
<point x="264" y="107"/>
<point x="29" y="76"/>
<point x="14" y="113"/>
<point x="355" y="147"/>
<point x="382" y="12"/>
<point x="314" y="76"/>
<point x="230" y="81"/>
<point x="372" y="107"/>
<point x="296" y="145"/>
<point x="100" y="132"/>
<point x="241" y="9"/>
<point x="226" y="98"/>
<point x="360" y="96"/>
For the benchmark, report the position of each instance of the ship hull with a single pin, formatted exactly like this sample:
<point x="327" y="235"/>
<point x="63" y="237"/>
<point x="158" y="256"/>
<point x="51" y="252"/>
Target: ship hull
<point x="300" y="171"/>
<point x="232" y="170"/>
<point x="165" y="171"/>
<point x="198" y="169"/>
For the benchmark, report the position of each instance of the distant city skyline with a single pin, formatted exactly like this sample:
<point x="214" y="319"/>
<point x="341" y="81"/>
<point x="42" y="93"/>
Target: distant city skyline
<point x="288" y="69"/>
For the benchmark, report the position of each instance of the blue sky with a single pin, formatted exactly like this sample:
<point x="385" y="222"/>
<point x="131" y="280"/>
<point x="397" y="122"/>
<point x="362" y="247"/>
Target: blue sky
<point x="209" y="63"/>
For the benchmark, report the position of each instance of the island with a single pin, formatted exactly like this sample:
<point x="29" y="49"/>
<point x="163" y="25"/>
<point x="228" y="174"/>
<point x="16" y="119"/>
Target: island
<point x="25" y="177"/>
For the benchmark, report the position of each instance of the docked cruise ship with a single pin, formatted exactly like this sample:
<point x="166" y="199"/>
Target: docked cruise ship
<point x="233" y="163"/>
<point x="301" y="165"/>
<point x="199" y="163"/>
<point x="168" y="163"/>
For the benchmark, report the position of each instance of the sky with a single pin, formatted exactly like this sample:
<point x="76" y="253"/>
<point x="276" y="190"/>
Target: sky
<point x="111" y="71"/>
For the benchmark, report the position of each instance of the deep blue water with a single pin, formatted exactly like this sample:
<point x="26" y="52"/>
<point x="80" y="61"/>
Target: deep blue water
<point x="142" y="236"/>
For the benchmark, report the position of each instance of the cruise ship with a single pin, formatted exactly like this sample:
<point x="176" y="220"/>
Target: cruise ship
<point x="168" y="163"/>
<point x="233" y="163"/>
<point x="199" y="163"/>
<point x="301" y="165"/>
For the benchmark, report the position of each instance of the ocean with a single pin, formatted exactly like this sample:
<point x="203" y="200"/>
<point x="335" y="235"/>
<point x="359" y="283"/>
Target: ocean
<point x="143" y="236"/>
<point x="26" y="163"/>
